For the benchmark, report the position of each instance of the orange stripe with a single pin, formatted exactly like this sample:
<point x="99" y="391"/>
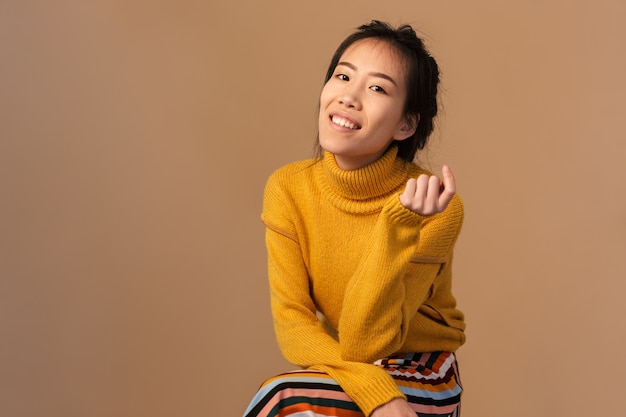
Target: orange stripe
<point x="440" y="360"/>
<point x="430" y="388"/>
<point x="318" y="409"/>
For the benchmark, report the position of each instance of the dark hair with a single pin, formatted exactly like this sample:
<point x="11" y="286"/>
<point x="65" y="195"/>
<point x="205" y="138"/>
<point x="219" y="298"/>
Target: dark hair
<point x="422" y="78"/>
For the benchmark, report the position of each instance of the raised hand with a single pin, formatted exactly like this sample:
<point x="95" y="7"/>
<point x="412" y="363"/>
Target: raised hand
<point x="429" y="195"/>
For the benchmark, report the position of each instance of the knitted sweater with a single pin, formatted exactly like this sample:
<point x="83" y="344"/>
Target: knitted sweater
<point x="354" y="275"/>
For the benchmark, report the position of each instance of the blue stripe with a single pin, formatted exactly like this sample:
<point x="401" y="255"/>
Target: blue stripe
<point x="443" y="395"/>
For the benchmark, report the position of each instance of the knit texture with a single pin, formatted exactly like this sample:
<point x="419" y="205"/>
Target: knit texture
<point x="354" y="275"/>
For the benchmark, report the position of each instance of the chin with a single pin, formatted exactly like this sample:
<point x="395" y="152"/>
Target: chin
<point x="334" y="143"/>
<point x="332" y="146"/>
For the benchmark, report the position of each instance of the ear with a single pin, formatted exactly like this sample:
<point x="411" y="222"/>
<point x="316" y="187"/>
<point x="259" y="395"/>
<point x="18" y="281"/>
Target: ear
<point x="407" y="127"/>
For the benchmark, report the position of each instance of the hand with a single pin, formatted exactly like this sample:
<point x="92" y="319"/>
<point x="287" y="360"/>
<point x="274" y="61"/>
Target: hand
<point x="428" y="195"/>
<point x="398" y="407"/>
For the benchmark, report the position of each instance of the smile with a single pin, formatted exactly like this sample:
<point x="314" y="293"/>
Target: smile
<point x="340" y="121"/>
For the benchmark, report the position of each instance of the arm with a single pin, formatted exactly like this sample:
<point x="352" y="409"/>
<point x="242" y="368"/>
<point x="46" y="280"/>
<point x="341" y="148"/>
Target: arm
<point x="399" y="268"/>
<point x="301" y="336"/>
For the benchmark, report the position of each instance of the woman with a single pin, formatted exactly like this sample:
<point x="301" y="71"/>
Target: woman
<point x="360" y="244"/>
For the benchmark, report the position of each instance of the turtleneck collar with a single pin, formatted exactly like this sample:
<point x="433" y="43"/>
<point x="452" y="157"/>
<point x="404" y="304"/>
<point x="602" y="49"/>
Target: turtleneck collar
<point x="363" y="190"/>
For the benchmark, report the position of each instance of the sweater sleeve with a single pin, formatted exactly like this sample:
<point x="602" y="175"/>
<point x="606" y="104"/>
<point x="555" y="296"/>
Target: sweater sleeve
<point x="301" y="336"/>
<point x="394" y="278"/>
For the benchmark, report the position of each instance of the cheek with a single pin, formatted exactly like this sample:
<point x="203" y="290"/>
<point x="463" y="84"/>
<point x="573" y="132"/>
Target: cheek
<point x="325" y="96"/>
<point x="393" y="113"/>
<point x="330" y="91"/>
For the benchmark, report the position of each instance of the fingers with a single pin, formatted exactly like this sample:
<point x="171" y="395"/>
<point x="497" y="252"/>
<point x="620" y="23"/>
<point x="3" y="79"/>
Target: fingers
<point x="429" y="195"/>
<point x="433" y="189"/>
<point x="406" y="198"/>
<point x="449" y="188"/>
<point x="449" y="184"/>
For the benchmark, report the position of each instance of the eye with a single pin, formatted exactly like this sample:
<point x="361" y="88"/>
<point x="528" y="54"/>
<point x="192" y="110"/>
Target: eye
<point x="343" y="77"/>
<point x="378" y="89"/>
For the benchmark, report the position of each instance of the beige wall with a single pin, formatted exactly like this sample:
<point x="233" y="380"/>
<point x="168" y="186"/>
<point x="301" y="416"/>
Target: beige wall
<point x="135" y="139"/>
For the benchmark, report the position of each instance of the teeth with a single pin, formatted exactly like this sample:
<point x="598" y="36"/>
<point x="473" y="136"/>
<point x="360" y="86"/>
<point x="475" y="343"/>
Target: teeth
<point x="343" y="122"/>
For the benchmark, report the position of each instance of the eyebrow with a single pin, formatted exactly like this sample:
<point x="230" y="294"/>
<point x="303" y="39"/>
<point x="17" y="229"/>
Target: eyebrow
<point x="375" y="74"/>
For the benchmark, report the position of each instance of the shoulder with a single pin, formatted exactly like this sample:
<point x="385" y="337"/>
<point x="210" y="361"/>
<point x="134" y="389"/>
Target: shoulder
<point x="285" y="190"/>
<point x="455" y="211"/>
<point x="440" y="232"/>
<point x="290" y="174"/>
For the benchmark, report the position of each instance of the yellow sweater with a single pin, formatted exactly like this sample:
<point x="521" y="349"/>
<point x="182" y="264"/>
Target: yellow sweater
<point x="355" y="276"/>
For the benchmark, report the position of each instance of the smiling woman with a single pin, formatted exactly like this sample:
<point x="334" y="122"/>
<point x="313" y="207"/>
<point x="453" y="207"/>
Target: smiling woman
<point x="420" y="76"/>
<point x="360" y="244"/>
<point x="362" y="105"/>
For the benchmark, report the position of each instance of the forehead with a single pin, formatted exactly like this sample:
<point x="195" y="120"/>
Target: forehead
<point x="377" y="55"/>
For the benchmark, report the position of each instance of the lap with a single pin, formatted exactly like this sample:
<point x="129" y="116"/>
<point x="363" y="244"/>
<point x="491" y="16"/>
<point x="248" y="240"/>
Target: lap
<point x="430" y="381"/>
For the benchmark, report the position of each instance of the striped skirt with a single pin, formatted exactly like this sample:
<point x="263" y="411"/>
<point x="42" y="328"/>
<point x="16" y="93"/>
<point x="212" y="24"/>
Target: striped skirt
<point x="430" y="382"/>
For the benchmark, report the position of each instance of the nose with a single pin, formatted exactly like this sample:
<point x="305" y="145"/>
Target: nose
<point x="349" y="97"/>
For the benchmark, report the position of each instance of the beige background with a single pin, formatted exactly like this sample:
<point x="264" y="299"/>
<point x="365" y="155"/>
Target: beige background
<point x="135" y="140"/>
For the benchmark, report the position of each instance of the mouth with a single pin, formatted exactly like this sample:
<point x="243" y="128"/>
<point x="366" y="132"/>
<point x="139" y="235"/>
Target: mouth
<point x="344" y="122"/>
